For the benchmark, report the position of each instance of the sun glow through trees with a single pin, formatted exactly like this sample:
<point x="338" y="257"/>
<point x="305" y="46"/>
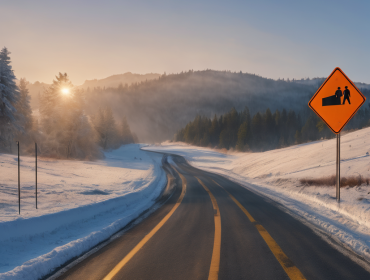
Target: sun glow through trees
<point x="65" y="91"/>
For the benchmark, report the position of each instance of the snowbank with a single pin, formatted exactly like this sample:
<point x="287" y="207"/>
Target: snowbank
<point x="276" y="175"/>
<point x="80" y="205"/>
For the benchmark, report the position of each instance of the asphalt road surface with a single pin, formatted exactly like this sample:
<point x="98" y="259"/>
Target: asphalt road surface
<point x="212" y="228"/>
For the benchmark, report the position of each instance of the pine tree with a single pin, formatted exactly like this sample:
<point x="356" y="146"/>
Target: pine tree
<point x="190" y="131"/>
<point x="269" y="129"/>
<point x="28" y="134"/>
<point x="225" y="139"/>
<point x="246" y="117"/>
<point x="214" y="132"/>
<point x="298" y="137"/>
<point x="65" y="129"/>
<point x="179" y="136"/>
<point x="51" y="103"/>
<point x="9" y="95"/>
<point x="232" y="126"/>
<point x="198" y="130"/>
<point x="283" y="141"/>
<point x="105" y="125"/>
<point x="257" y="131"/>
<point x="111" y="133"/>
<point x="292" y="126"/>
<point x="242" y="137"/>
<point x="127" y="136"/>
<point x="23" y="107"/>
<point x="98" y="124"/>
<point x="309" y="130"/>
<point x="8" y="88"/>
<point x="278" y="124"/>
<point x="204" y="142"/>
<point x="324" y="130"/>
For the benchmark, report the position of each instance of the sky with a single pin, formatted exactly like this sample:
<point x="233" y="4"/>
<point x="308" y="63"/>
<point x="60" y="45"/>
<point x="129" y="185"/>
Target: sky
<point x="275" y="39"/>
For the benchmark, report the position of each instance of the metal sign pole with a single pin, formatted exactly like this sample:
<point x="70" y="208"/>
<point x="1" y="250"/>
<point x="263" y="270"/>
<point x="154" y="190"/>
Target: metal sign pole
<point x="19" y="183"/>
<point x="36" y="171"/>
<point x="338" y="168"/>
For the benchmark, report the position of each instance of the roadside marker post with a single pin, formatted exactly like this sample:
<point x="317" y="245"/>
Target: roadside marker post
<point x="19" y="183"/>
<point x="336" y="102"/>
<point x="36" y="171"/>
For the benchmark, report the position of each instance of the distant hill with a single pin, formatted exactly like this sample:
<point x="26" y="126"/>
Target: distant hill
<point x="156" y="109"/>
<point x="117" y="80"/>
<point x="112" y="81"/>
<point x="157" y="106"/>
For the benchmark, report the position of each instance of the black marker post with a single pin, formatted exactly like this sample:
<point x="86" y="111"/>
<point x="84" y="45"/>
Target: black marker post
<point x="36" y="171"/>
<point x="19" y="182"/>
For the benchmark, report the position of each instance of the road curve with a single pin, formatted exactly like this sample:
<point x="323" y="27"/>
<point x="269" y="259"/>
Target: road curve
<point x="212" y="228"/>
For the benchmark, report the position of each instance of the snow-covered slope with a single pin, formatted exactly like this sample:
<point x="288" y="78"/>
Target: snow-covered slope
<point x="80" y="204"/>
<point x="276" y="174"/>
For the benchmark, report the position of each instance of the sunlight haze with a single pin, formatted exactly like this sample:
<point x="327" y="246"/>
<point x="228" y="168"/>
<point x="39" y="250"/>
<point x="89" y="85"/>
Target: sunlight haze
<point x="96" y="39"/>
<point x="184" y="140"/>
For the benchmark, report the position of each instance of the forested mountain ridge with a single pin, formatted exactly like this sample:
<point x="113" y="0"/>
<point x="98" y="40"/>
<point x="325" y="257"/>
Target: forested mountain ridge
<point x="158" y="108"/>
<point x="126" y="79"/>
<point x="119" y="80"/>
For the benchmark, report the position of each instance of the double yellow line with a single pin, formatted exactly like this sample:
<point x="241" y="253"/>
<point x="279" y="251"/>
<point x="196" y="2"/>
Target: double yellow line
<point x="216" y="254"/>
<point x="129" y="256"/>
<point x="292" y="271"/>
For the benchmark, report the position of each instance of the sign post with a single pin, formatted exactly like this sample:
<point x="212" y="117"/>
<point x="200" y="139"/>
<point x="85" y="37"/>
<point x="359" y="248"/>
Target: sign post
<point x="36" y="171"/>
<point x="338" y="169"/>
<point x="19" y="182"/>
<point x="336" y="102"/>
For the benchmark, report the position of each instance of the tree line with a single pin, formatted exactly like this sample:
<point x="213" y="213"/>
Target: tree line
<point x="262" y="131"/>
<point x="158" y="108"/>
<point x="62" y="128"/>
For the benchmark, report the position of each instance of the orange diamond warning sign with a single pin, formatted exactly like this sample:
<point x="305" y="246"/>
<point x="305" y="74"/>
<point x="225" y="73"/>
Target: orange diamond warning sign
<point x="337" y="100"/>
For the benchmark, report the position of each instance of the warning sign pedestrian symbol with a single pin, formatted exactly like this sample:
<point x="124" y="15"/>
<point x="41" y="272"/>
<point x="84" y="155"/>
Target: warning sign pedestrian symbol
<point x="337" y="100"/>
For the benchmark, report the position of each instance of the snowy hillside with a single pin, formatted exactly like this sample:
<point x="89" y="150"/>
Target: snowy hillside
<point x="276" y="174"/>
<point x="80" y="204"/>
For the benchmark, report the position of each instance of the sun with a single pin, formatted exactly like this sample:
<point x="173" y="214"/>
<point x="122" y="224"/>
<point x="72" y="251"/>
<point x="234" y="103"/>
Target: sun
<point x="65" y="91"/>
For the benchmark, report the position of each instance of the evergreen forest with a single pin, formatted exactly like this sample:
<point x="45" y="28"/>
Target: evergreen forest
<point x="262" y="131"/>
<point x="63" y="128"/>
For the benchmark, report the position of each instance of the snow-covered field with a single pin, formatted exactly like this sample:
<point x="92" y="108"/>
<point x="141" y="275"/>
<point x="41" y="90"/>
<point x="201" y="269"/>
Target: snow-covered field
<point x="80" y="204"/>
<point x="276" y="175"/>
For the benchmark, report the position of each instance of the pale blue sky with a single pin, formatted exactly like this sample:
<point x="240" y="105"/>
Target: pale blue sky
<point x="96" y="39"/>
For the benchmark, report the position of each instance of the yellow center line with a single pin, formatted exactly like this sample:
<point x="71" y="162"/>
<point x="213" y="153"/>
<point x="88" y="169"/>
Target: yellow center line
<point x="215" y="262"/>
<point x="293" y="272"/>
<point x="129" y="256"/>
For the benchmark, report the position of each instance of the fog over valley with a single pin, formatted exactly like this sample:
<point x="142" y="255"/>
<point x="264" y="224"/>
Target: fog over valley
<point x="157" y="106"/>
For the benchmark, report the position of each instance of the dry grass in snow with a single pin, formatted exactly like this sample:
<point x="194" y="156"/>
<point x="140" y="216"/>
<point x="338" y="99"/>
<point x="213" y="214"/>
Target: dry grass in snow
<point x="350" y="181"/>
